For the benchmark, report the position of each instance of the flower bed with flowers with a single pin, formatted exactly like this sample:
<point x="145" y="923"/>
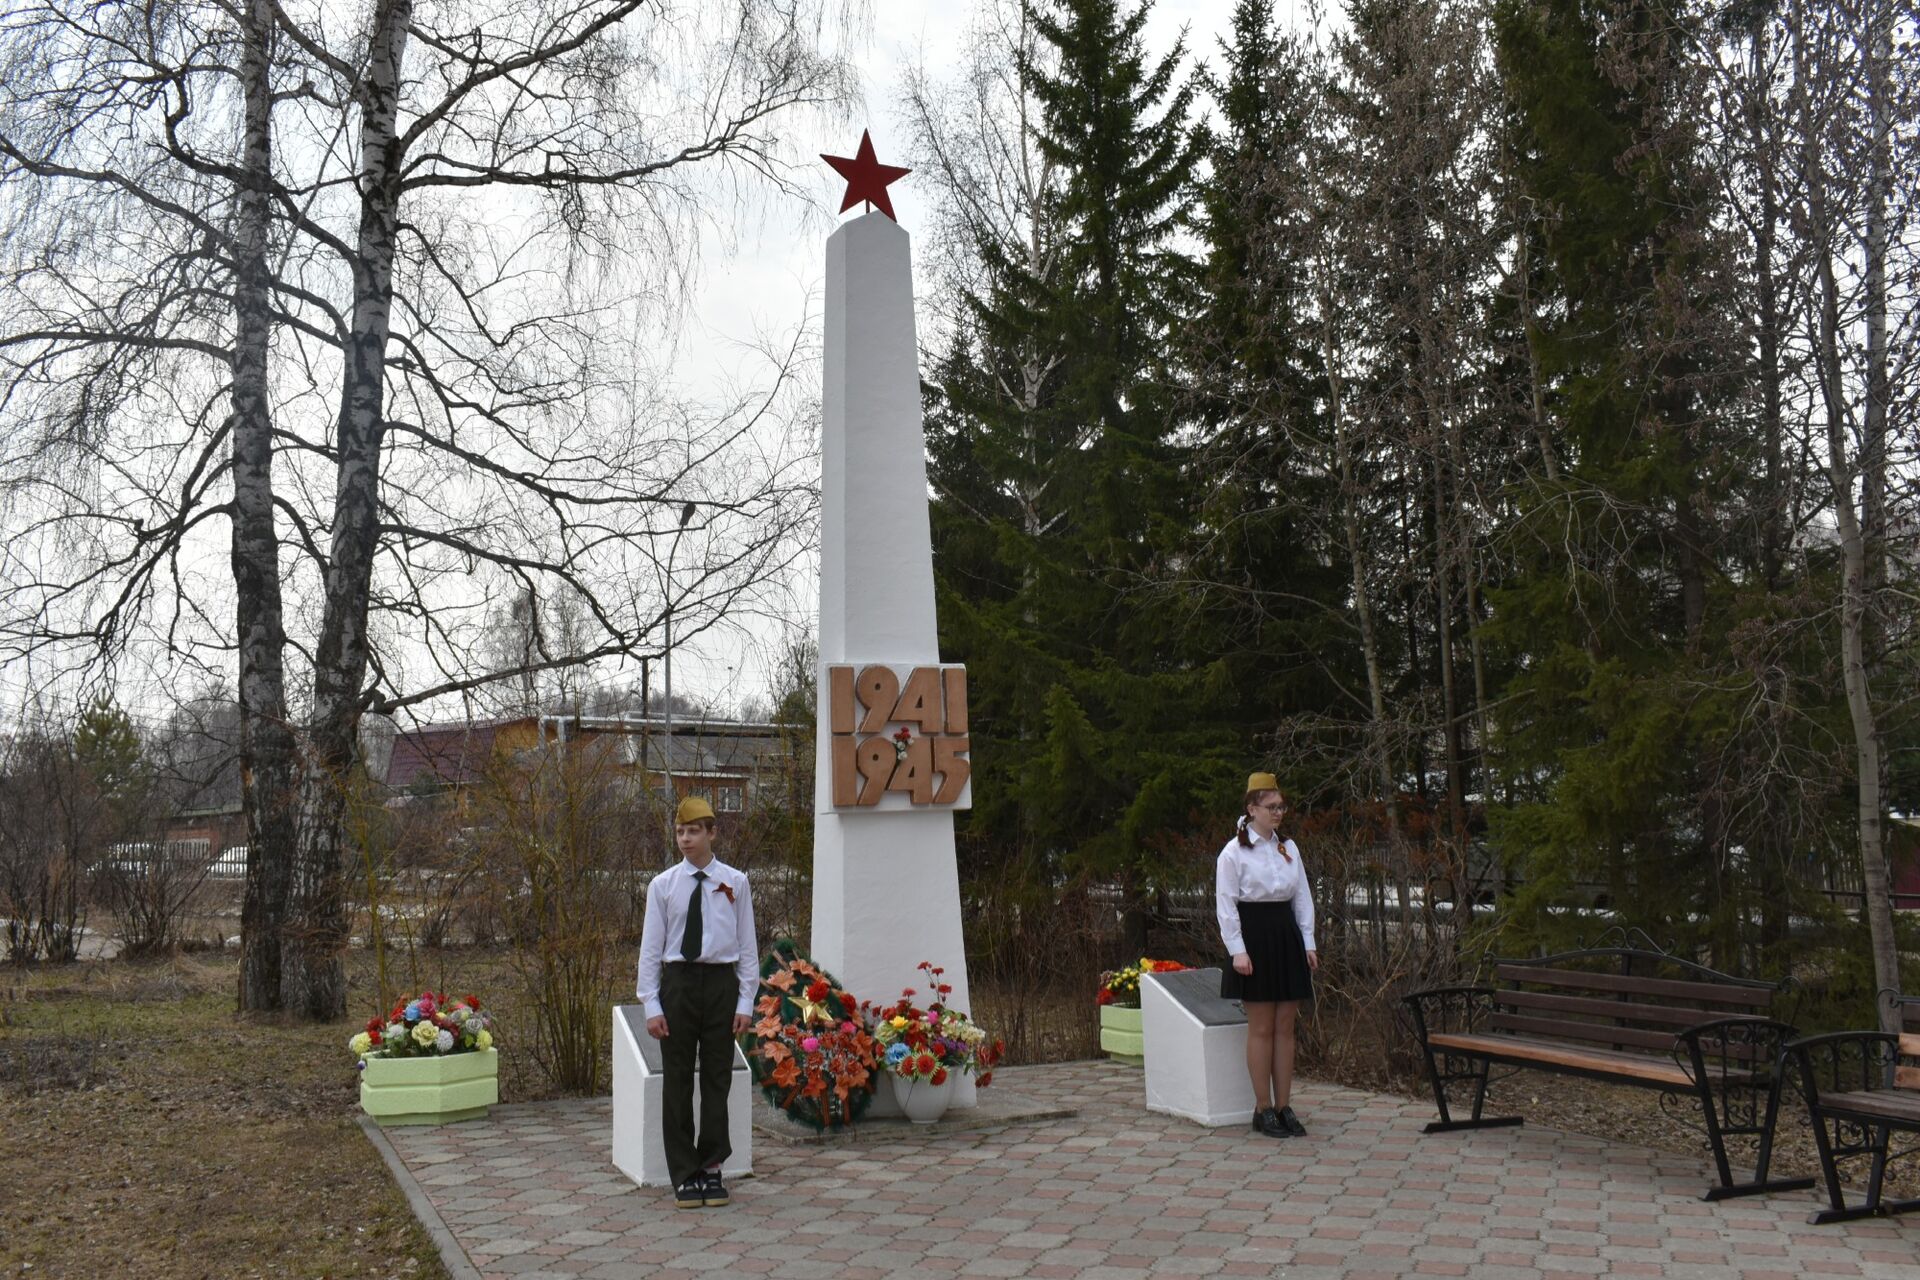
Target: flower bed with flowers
<point x="810" y="1049"/>
<point x="1121" y="1037"/>
<point x="932" y="1042"/>
<point x="428" y="1026"/>
<point x="1121" y="987"/>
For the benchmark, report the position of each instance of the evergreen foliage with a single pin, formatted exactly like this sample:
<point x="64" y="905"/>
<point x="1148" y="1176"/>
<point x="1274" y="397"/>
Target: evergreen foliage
<point x="1419" y="410"/>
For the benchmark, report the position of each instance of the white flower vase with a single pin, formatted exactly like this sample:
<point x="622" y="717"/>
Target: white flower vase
<point x="921" y="1101"/>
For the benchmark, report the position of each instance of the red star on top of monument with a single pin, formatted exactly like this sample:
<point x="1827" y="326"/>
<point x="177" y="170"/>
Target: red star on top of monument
<point x="866" y="177"/>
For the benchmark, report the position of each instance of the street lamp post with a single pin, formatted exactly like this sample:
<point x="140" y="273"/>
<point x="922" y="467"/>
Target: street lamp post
<point x="666" y="751"/>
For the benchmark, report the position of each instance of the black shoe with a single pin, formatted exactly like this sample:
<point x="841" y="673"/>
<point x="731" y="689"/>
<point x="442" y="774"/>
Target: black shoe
<point x="691" y="1194"/>
<point x="713" y="1191"/>
<point x="1266" y="1121"/>
<point x="1291" y="1123"/>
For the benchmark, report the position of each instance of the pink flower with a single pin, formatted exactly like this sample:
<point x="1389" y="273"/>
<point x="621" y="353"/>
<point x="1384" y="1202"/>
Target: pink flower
<point x="847" y="1027"/>
<point x="810" y="1043"/>
<point x="933" y="1019"/>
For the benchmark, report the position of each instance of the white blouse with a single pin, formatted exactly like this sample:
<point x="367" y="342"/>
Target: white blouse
<point x="1260" y="874"/>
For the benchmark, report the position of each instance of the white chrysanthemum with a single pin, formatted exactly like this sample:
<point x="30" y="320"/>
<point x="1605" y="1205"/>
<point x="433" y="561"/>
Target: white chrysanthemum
<point x="443" y="1041"/>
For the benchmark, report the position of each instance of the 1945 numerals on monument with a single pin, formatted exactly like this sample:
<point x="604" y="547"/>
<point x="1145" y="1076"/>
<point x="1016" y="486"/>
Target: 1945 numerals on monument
<point x="893" y="734"/>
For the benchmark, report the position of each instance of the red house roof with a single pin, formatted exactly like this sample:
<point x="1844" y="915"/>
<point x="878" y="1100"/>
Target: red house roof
<point x="448" y="754"/>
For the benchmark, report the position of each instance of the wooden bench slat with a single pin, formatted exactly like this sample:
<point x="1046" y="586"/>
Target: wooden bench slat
<point x="1670" y="988"/>
<point x="1906" y="1077"/>
<point x="1563" y="1029"/>
<point x="1633" y="1065"/>
<point x="1602" y="1007"/>
<point x="1889" y="1104"/>
<point x="1910" y="1045"/>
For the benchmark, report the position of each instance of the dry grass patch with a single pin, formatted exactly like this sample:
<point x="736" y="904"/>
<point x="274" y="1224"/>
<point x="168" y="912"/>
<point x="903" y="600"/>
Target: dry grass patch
<point x="148" y="1132"/>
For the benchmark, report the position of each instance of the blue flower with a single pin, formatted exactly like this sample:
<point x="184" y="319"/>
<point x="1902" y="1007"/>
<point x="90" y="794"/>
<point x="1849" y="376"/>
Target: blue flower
<point x="895" y="1052"/>
<point x="413" y="1012"/>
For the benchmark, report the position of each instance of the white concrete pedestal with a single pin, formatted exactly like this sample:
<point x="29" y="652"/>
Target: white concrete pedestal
<point x="639" y="1149"/>
<point x="1196" y="1049"/>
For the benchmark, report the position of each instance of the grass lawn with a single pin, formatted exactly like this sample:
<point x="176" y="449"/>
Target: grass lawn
<point x="145" y="1131"/>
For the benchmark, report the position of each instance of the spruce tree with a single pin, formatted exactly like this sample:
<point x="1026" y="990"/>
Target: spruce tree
<point x="1625" y="588"/>
<point x="1055" y="456"/>
<point x="1263" y="586"/>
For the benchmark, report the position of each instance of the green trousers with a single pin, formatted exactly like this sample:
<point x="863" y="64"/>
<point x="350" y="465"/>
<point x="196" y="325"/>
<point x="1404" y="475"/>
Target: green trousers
<point x="698" y="1001"/>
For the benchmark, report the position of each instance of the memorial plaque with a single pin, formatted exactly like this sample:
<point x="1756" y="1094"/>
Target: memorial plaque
<point x="1196" y="1048"/>
<point x="639" y="1088"/>
<point x="1198" y="992"/>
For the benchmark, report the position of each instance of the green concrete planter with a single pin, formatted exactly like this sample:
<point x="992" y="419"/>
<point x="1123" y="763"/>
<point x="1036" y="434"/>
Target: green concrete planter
<point x="436" y="1090"/>
<point x="1120" y="1035"/>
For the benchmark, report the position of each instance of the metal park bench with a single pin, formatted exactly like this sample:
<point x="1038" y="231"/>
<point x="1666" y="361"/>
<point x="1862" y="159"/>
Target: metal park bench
<point x="1631" y="1015"/>
<point x="1861" y="1088"/>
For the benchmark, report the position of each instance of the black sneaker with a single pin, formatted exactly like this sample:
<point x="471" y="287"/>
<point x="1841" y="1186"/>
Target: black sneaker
<point x="712" y="1191"/>
<point x="1291" y="1123"/>
<point x="1266" y="1121"/>
<point x="692" y="1193"/>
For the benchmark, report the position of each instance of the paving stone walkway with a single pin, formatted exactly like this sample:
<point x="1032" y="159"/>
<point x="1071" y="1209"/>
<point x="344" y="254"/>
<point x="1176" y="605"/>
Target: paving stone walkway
<point x="1118" y="1193"/>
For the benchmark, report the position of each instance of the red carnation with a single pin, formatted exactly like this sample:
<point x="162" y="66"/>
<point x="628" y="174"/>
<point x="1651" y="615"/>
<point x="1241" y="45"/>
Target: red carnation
<point x="373" y="1024"/>
<point x="473" y="1002"/>
<point x="939" y="1077"/>
<point x="373" y="1034"/>
<point x="924" y="1064"/>
<point x="847" y="1001"/>
<point x="1105" y="997"/>
<point x="817" y="990"/>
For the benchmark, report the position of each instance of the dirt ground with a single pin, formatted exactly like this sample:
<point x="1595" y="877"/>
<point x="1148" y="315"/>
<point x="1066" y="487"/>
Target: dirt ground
<point x="147" y="1132"/>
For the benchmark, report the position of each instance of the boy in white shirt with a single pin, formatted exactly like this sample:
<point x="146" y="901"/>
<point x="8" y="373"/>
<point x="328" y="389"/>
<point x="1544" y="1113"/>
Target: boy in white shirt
<point x="699" y="970"/>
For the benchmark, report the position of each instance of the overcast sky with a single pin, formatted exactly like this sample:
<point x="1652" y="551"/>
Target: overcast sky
<point x="759" y="279"/>
<point x="765" y="283"/>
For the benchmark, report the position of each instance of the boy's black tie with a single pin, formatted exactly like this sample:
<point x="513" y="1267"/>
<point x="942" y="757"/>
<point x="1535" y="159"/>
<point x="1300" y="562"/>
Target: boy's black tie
<point x="691" y="939"/>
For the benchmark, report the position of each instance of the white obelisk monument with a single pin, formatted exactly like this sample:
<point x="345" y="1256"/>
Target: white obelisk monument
<point x="886" y="889"/>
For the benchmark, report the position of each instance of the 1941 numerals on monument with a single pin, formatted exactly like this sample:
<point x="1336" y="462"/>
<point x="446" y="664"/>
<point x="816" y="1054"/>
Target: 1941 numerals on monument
<point x="898" y="729"/>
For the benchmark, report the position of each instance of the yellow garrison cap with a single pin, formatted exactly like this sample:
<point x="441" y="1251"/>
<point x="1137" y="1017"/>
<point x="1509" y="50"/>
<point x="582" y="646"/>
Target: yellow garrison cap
<point x="1262" y="782"/>
<point x="692" y="809"/>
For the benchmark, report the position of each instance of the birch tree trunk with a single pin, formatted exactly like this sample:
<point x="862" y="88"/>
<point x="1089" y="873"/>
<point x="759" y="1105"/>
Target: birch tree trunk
<point x="267" y="752"/>
<point x="1381" y="749"/>
<point x="315" y="973"/>
<point x="1843" y="475"/>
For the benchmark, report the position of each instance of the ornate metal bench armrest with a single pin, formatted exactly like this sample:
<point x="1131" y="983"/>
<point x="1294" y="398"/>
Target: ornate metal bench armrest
<point x="1447" y="1009"/>
<point x="1711" y="1047"/>
<point x="1843" y="1061"/>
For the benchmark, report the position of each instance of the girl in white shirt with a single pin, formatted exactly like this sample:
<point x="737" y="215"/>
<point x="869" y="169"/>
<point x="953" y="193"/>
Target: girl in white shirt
<point x="1265" y="910"/>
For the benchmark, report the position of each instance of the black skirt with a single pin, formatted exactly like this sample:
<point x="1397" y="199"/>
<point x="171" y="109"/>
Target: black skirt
<point x="1272" y="938"/>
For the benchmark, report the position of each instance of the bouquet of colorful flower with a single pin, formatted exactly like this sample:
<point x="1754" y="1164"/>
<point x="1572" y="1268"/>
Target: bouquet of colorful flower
<point x="426" y="1027"/>
<point x="810" y="1049"/>
<point x="928" y="1044"/>
<point x="1121" y="987"/>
